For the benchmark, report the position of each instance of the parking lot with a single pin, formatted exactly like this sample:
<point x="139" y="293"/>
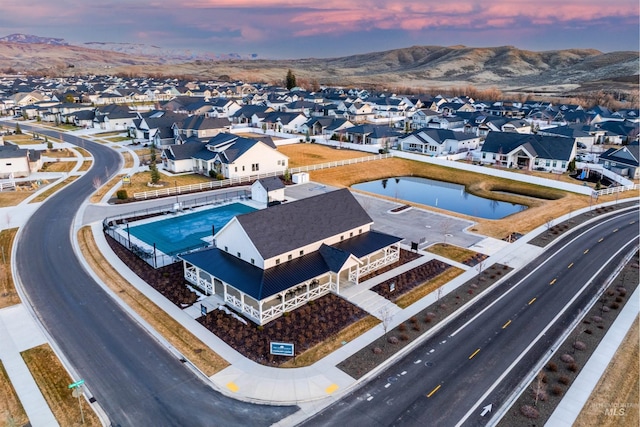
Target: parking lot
<point x="414" y="225"/>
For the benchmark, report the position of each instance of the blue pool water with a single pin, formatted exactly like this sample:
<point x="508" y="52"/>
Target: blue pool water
<point x="443" y="195"/>
<point x="180" y="233"/>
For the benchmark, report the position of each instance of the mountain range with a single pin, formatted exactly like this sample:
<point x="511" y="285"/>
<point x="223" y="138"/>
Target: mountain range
<point x="506" y="67"/>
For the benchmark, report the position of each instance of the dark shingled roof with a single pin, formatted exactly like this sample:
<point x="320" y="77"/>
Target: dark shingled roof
<point x="544" y="147"/>
<point x="289" y="226"/>
<point x="271" y="183"/>
<point x="261" y="284"/>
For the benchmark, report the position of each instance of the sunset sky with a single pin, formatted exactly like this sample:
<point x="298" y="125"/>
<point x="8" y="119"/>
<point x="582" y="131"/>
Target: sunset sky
<point x="330" y="28"/>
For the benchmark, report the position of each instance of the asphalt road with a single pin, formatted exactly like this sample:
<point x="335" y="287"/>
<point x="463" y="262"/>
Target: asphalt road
<point x="136" y="380"/>
<point x="480" y="357"/>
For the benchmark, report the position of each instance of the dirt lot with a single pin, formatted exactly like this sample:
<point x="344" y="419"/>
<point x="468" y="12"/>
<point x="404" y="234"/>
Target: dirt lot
<point x="314" y="154"/>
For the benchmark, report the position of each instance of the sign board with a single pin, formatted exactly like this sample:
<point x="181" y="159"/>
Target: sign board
<point x="126" y="179"/>
<point x="203" y="310"/>
<point x="392" y="287"/>
<point x="282" y="349"/>
<point x="76" y="384"/>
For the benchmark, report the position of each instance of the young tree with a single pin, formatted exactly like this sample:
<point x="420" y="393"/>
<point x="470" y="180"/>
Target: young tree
<point x="290" y="81"/>
<point x="386" y="317"/>
<point x="18" y="129"/>
<point x="155" y="174"/>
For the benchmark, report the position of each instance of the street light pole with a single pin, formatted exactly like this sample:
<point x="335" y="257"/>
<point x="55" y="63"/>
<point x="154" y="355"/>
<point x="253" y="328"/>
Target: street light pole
<point x="176" y="185"/>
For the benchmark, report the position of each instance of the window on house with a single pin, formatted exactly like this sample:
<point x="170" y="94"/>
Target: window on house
<point x="548" y="163"/>
<point x="255" y="167"/>
<point x="555" y="163"/>
<point x="277" y="261"/>
<point x="253" y="261"/>
<point x="236" y="169"/>
<point x="351" y="234"/>
<point x="564" y="165"/>
<point x="226" y="249"/>
<point x="242" y="168"/>
<point x="360" y="231"/>
<point x="341" y="237"/>
<point x="290" y="257"/>
<point x="301" y="253"/>
<point x="239" y="255"/>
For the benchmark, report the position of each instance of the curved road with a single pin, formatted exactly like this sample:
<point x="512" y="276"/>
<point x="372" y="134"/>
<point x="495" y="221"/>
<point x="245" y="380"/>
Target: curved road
<point x="480" y="357"/>
<point x="137" y="381"/>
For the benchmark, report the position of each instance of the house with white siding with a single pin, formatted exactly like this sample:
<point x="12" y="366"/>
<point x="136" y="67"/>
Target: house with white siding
<point x="272" y="261"/>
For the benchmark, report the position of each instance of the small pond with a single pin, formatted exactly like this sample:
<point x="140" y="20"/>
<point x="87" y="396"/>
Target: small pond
<point x="443" y="195"/>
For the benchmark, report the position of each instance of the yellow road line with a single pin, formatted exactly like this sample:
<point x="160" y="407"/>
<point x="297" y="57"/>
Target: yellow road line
<point x="506" y="324"/>
<point x="474" y="353"/>
<point x="233" y="387"/>
<point x="615" y="230"/>
<point x="532" y="300"/>
<point x="587" y="251"/>
<point x="553" y="281"/>
<point x="570" y="265"/>
<point x="434" y="390"/>
<point x="601" y="239"/>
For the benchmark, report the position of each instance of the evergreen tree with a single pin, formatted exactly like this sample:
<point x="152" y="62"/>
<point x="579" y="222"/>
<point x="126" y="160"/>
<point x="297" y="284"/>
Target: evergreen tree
<point x="291" y="80"/>
<point x="155" y="174"/>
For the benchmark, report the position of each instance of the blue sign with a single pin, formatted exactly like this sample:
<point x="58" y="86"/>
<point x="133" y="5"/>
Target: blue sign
<point x="282" y="349"/>
<point x="76" y="384"/>
<point x="203" y="310"/>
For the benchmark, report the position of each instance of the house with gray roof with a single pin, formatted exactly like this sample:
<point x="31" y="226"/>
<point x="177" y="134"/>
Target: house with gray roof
<point x="16" y="162"/>
<point x="269" y="262"/>
<point x="439" y="142"/>
<point x="528" y="151"/>
<point x="623" y="161"/>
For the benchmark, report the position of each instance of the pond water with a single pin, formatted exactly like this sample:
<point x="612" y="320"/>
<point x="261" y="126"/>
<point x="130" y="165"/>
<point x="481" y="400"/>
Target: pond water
<point x="443" y="195"/>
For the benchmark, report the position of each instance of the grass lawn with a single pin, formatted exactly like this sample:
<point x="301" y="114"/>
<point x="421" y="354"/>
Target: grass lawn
<point x="85" y="165"/>
<point x="184" y="341"/>
<point x="11" y="411"/>
<point x="57" y="166"/>
<point x="59" y="153"/>
<point x="452" y="252"/>
<point x="22" y="139"/>
<point x="118" y="139"/>
<point x="43" y="196"/>
<point x="313" y="154"/>
<point x="330" y="345"/>
<point x="98" y="195"/>
<point x="543" y="202"/>
<point x="8" y="294"/>
<point x="128" y="159"/>
<point x="53" y="380"/>
<point x="12" y="198"/>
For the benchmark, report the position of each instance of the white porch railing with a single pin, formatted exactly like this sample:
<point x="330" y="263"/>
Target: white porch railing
<point x="618" y="189"/>
<point x="388" y="258"/>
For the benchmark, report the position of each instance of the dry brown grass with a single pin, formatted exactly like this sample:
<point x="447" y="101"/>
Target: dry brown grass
<point x="13" y="198"/>
<point x="427" y="287"/>
<point x="330" y="345"/>
<point x="452" y="252"/>
<point x="543" y="202"/>
<point x="140" y="180"/>
<point x="83" y="152"/>
<point x="618" y="386"/>
<point x="98" y="195"/>
<point x="8" y="294"/>
<point x="43" y="196"/>
<point x="53" y="381"/>
<point x="11" y="411"/>
<point x="62" y="153"/>
<point x="85" y="166"/>
<point x="314" y="154"/>
<point x="128" y="159"/>
<point x="58" y="166"/>
<point x="23" y="139"/>
<point x="184" y="341"/>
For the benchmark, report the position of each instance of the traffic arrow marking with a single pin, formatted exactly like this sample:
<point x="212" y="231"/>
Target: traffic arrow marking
<point x="486" y="409"/>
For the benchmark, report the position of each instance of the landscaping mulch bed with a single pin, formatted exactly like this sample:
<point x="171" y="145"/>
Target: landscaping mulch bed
<point x="169" y="280"/>
<point x="394" y="288"/>
<point x="372" y="355"/>
<point x="405" y="257"/>
<point x="556" y="230"/>
<point x="475" y="259"/>
<point x="559" y="373"/>
<point x="305" y="327"/>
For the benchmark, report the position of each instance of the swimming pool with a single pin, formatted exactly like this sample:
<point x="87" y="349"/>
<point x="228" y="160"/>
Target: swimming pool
<point x="184" y="232"/>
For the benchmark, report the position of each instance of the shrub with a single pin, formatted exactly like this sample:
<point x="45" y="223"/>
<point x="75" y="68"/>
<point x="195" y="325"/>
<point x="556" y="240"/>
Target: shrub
<point x="567" y="358"/>
<point x="404" y="337"/>
<point x="122" y="195"/>
<point x="402" y="327"/>
<point x="529" y="411"/>
<point x="540" y="394"/>
<point x="552" y="367"/>
<point x="619" y="299"/>
<point x="470" y="291"/>
<point x="573" y="367"/>
<point x="393" y="340"/>
<point x="377" y="350"/>
<point x="473" y="286"/>
<point x="416" y="327"/>
<point x="564" y="380"/>
<point x="579" y="345"/>
<point x="557" y="390"/>
<point x="596" y="319"/>
<point x="606" y="309"/>
<point x="614" y="306"/>
<point x="622" y="291"/>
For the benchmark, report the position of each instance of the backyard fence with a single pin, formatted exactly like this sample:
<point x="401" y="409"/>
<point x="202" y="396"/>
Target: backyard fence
<point x="185" y="189"/>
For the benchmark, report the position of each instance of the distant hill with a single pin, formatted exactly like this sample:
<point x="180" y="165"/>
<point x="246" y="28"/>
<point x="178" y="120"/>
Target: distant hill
<point x="507" y="68"/>
<point x="27" y="38"/>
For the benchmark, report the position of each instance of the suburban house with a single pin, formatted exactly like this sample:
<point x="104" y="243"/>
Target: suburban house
<point x="269" y="262"/>
<point x="227" y="155"/>
<point x="366" y="134"/>
<point x="200" y="127"/>
<point x="268" y="191"/>
<point x="438" y="142"/>
<point x="528" y="151"/>
<point x="16" y="162"/>
<point x="585" y="135"/>
<point x="623" y="161"/>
